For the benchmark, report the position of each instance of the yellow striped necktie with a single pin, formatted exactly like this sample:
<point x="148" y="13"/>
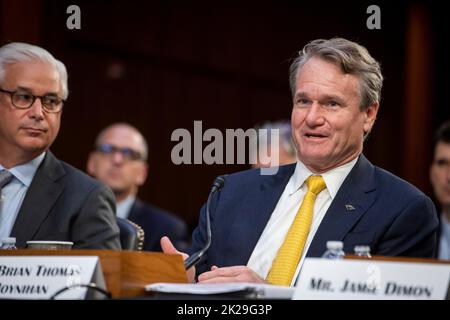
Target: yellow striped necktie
<point x="288" y="256"/>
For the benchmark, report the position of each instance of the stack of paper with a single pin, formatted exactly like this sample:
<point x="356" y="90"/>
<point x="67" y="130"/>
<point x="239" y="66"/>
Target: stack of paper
<point x="263" y="291"/>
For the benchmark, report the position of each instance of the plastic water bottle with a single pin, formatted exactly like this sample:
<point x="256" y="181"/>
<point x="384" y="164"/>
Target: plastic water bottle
<point x="8" y="244"/>
<point x="334" y="250"/>
<point x="362" y="251"/>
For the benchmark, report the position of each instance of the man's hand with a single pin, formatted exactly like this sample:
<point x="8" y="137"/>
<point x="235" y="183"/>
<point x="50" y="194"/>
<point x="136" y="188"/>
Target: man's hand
<point x="230" y="274"/>
<point x="168" y="247"/>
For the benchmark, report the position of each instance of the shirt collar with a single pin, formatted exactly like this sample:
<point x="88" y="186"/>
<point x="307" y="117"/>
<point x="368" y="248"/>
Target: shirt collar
<point x="25" y="172"/>
<point x="445" y="224"/>
<point x="333" y="178"/>
<point x="124" y="206"/>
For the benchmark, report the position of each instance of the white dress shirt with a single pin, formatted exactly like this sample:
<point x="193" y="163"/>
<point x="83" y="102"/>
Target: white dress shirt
<point x="444" y="241"/>
<point x="14" y="193"/>
<point x="124" y="207"/>
<point x="284" y="213"/>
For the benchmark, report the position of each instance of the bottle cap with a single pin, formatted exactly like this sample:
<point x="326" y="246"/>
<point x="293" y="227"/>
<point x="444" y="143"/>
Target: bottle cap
<point x="335" y="245"/>
<point x="9" y="240"/>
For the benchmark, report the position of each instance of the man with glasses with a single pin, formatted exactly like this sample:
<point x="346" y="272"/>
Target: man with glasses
<point x="44" y="198"/>
<point x="120" y="161"/>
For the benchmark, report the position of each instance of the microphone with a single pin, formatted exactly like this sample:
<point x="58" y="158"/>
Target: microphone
<point x="194" y="258"/>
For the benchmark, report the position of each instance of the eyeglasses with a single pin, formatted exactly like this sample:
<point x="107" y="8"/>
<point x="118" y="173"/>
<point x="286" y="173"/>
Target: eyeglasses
<point x="22" y="99"/>
<point x="127" y="153"/>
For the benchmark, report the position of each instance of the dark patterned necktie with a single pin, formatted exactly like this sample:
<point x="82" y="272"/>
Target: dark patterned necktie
<point x="5" y="178"/>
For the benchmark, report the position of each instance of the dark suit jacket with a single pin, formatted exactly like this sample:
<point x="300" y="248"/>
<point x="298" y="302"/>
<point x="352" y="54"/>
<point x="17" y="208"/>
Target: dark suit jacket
<point x="62" y="203"/>
<point x="390" y="215"/>
<point x="157" y="223"/>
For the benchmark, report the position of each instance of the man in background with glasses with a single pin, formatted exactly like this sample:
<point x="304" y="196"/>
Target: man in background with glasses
<point x="120" y="161"/>
<point x="43" y="198"/>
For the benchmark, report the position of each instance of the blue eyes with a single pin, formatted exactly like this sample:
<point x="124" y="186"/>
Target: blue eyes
<point x="330" y="104"/>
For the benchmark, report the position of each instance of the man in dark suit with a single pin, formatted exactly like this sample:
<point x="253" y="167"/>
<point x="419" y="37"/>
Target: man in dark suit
<point x="332" y="193"/>
<point x="44" y="198"/>
<point x="120" y="161"/>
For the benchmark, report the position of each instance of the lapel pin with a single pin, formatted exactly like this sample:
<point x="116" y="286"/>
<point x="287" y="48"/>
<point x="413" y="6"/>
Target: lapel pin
<point x="349" y="207"/>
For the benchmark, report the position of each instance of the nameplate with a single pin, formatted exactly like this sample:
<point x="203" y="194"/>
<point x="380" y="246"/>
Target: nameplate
<point x="371" y="280"/>
<point x="39" y="277"/>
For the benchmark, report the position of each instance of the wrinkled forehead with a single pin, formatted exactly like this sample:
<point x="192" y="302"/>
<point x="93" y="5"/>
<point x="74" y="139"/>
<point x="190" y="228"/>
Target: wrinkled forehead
<point x="326" y="73"/>
<point x="36" y="76"/>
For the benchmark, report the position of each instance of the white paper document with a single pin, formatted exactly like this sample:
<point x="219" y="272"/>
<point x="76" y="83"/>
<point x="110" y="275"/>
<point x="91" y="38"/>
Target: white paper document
<point x="263" y="291"/>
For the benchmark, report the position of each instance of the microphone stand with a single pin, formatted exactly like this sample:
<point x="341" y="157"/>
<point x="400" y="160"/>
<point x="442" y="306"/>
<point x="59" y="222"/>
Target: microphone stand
<point x="195" y="258"/>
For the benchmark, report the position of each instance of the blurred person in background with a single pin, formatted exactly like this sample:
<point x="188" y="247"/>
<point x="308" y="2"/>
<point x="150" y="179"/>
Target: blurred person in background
<point x="285" y="151"/>
<point x="440" y="180"/>
<point x="120" y="161"/>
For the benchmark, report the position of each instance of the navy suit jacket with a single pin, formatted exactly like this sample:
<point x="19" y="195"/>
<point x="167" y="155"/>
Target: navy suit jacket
<point x="64" y="204"/>
<point x="390" y="215"/>
<point x="157" y="223"/>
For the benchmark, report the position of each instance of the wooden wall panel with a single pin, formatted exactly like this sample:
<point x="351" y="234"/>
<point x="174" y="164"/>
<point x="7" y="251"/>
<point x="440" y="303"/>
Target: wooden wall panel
<point x="164" y="64"/>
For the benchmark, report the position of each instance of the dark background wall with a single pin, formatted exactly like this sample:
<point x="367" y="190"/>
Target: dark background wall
<point x="161" y="65"/>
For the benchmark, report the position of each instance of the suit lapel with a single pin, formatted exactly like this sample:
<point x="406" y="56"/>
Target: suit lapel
<point x="351" y="202"/>
<point x="246" y="230"/>
<point x="135" y="208"/>
<point x="44" y="190"/>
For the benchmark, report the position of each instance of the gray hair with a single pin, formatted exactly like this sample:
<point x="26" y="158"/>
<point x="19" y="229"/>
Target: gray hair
<point x="351" y="57"/>
<point x="285" y="135"/>
<point x="23" y="52"/>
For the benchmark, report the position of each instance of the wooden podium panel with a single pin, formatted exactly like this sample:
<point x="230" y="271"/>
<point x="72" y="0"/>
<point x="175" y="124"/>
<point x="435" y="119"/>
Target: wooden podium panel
<point x="126" y="272"/>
